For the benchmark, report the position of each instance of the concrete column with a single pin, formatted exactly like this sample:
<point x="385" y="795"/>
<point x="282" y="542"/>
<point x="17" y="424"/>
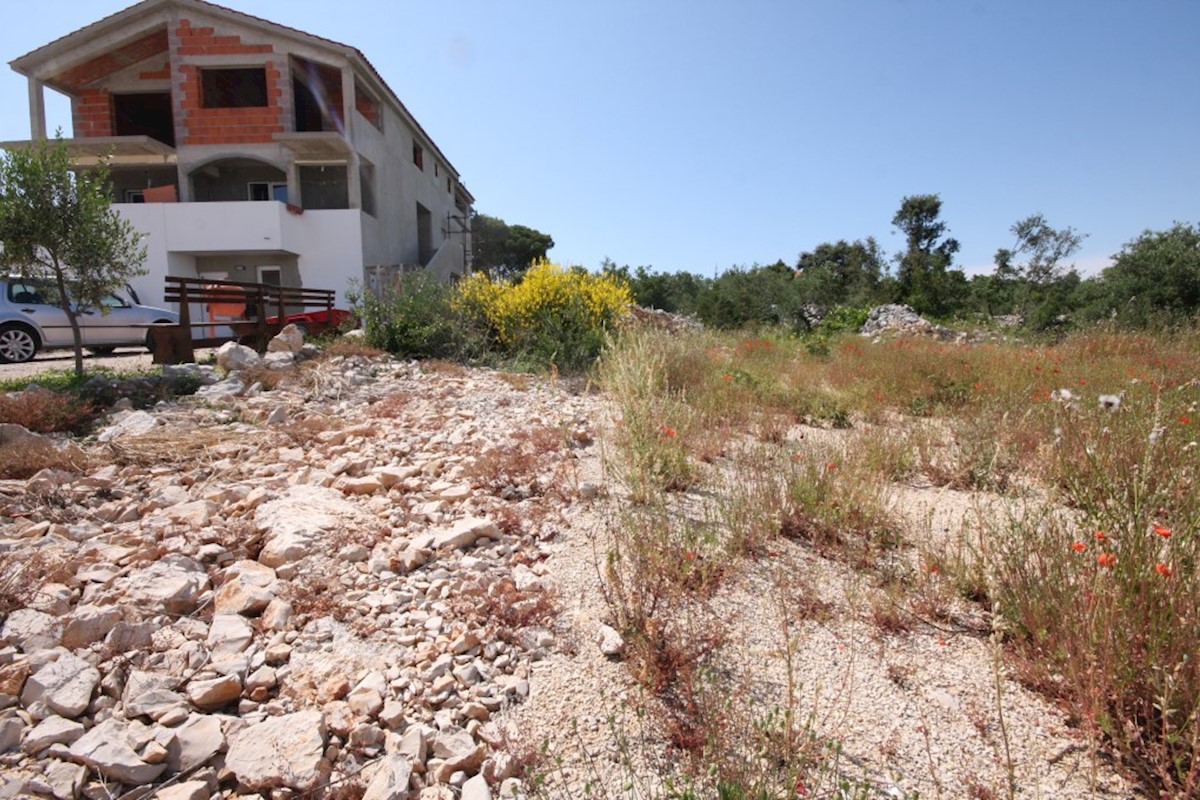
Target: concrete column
<point x="185" y="185"/>
<point x="354" y="184"/>
<point x="293" y="182"/>
<point x="37" y="109"/>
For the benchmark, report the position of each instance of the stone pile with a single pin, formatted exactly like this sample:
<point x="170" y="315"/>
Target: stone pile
<point x="900" y="320"/>
<point x="267" y="593"/>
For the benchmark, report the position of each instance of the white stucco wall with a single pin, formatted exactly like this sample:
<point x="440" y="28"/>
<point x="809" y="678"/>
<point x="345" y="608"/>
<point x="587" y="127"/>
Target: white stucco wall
<point x="328" y="244"/>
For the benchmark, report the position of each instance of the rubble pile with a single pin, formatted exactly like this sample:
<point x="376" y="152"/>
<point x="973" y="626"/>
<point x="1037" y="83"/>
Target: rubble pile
<point x="338" y="581"/>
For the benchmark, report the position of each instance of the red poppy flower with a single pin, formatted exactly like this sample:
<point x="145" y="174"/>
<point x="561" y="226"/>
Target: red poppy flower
<point x="1163" y="569"/>
<point x="1078" y="547"/>
<point x="1099" y="536"/>
<point x="1108" y="560"/>
<point x="1163" y="531"/>
<point x="667" y="431"/>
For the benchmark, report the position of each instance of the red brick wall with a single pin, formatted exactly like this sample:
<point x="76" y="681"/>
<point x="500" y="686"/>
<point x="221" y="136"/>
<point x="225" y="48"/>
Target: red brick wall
<point x="91" y="114"/>
<point x="225" y="125"/>
<point x="367" y="107"/>
<point x="115" y="61"/>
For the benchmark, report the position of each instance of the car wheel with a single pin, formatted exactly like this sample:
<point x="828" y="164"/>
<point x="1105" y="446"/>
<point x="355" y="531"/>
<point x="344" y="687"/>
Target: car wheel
<point x="18" y="344"/>
<point x="101" y="351"/>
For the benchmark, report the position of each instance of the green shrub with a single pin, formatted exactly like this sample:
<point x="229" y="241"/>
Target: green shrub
<point x="413" y="318"/>
<point x="551" y="316"/>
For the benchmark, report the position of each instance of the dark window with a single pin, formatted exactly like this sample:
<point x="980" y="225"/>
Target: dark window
<point x="234" y="88"/>
<point x="324" y="187"/>
<point x="366" y="179"/>
<point x="418" y="156"/>
<point x="144" y="115"/>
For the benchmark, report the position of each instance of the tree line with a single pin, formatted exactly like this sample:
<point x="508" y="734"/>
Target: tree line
<point x="1154" y="279"/>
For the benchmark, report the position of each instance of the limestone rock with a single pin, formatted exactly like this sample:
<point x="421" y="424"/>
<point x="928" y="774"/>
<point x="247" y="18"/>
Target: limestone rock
<point x="610" y="642"/>
<point x="284" y="751"/>
<point x="228" y="635"/>
<point x="465" y="533"/>
<point x="209" y="695"/>
<point x="391" y="779"/>
<point x="64" y="686"/>
<point x="476" y="789"/>
<point x="288" y="340"/>
<point x="65" y="780"/>
<point x="106" y="748"/>
<point x="301" y="516"/>
<point x="129" y="423"/>
<point x="10" y="733"/>
<point x="232" y="357"/>
<point x="194" y="742"/>
<point x="246" y="589"/>
<point x="88" y="624"/>
<point x="188" y="790"/>
<point x="32" y="630"/>
<point x="172" y="584"/>
<point x="51" y="730"/>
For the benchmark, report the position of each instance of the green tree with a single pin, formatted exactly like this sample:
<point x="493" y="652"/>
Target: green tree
<point x="841" y="274"/>
<point x="1156" y="276"/>
<point x="924" y="278"/>
<point x="58" y="225"/>
<point x="1032" y="273"/>
<point x="503" y="250"/>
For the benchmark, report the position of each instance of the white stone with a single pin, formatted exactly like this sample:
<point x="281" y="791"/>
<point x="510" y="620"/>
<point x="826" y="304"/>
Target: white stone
<point x="107" y="749"/>
<point x="284" y="751"/>
<point x="194" y="742"/>
<point x="129" y="423"/>
<point x="610" y="642"/>
<point x="476" y="789"/>
<point x="51" y="730"/>
<point x="211" y="694"/>
<point x="32" y="630"/>
<point x="390" y="781"/>
<point x="229" y="634"/>
<point x="173" y="584"/>
<point x="288" y="340"/>
<point x="465" y="533"/>
<point x="188" y="790"/>
<point x="64" y="686"/>
<point x="88" y="624"/>
<point x="232" y="357"/>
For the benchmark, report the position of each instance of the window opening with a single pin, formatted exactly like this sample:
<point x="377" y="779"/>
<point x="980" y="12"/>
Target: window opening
<point x="242" y="87"/>
<point x="147" y="114"/>
<point x="267" y="190"/>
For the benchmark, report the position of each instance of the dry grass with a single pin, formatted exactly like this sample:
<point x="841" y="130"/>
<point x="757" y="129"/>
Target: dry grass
<point x="44" y="411"/>
<point x="1108" y="626"/>
<point x="25" y="459"/>
<point x="174" y="446"/>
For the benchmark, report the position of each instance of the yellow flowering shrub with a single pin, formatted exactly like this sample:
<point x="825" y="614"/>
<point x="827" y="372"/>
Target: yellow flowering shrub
<point x="553" y="314"/>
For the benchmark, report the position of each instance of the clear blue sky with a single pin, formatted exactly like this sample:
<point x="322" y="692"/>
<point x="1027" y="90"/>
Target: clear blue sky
<point x="696" y="134"/>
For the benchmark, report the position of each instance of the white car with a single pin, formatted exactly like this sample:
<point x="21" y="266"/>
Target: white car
<point x="31" y="320"/>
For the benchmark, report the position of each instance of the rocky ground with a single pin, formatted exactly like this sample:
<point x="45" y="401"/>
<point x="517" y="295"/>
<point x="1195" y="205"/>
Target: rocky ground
<point x="377" y="578"/>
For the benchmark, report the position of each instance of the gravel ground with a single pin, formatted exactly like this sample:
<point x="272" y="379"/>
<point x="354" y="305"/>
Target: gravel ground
<point x="124" y="359"/>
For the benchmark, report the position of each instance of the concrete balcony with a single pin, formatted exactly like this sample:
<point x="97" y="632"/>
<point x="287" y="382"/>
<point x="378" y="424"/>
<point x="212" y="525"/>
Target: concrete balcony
<point x="245" y="226"/>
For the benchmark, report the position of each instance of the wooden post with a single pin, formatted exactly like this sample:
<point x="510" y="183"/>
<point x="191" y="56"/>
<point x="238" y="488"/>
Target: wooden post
<point x="187" y="353"/>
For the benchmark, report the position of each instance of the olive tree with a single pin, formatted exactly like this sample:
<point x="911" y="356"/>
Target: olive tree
<point x="57" y="224"/>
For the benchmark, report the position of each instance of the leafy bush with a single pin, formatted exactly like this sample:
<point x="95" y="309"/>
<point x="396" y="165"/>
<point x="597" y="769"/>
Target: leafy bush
<point x="413" y="318"/>
<point x="552" y="316"/>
